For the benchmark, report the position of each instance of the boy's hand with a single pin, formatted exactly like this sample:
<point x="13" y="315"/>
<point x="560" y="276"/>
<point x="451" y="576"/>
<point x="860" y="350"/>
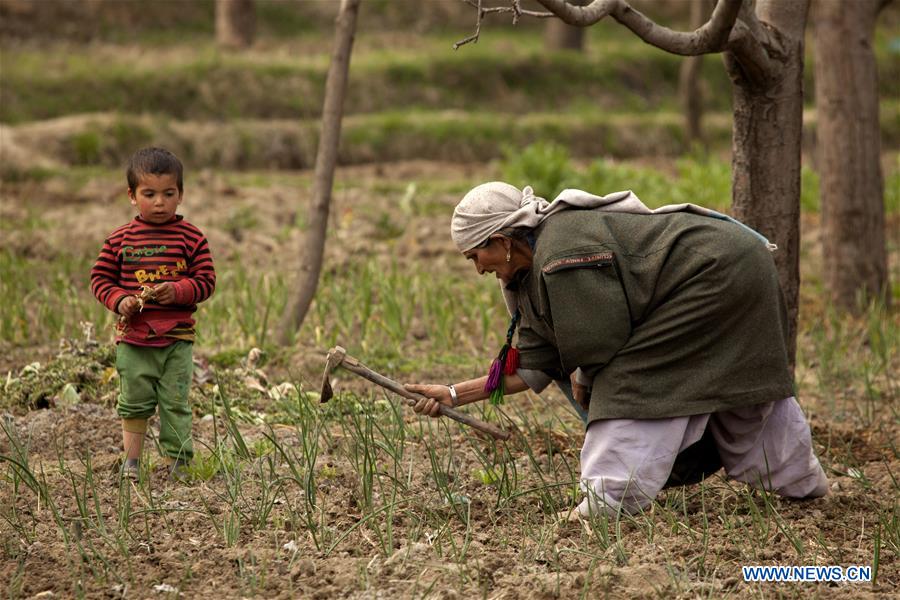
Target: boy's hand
<point x="128" y="306"/>
<point x="164" y="293"/>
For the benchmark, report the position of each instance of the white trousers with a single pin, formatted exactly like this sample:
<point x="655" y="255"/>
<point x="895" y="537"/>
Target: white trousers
<point x="626" y="462"/>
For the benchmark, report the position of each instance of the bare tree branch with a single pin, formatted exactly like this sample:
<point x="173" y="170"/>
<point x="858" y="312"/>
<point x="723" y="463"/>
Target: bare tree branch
<point x="513" y="8"/>
<point x="473" y="37"/>
<point x="747" y="59"/>
<point x="517" y="10"/>
<point x="751" y="49"/>
<point x="711" y="37"/>
<point x="733" y="27"/>
<point x="747" y="15"/>
<point x="582" y="16"/>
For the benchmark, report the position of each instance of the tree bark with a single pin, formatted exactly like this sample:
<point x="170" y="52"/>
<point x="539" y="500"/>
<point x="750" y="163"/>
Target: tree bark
<point x="689" y="79"/>
<point x="711" y="37"/>
<point x="326" y="159"/>
<point x="768" y="120"/>
<point x="561" y="36"/>
<point x="235" y="24"/>
<point x="848" y="141"/>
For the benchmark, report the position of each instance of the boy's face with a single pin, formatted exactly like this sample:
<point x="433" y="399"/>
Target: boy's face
<point x="156" y="197"/>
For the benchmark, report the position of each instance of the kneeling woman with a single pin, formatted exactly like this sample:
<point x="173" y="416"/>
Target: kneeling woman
<point x="670" y="325"/>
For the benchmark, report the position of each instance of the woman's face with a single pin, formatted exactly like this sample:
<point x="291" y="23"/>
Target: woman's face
<point x="492" y="258"/>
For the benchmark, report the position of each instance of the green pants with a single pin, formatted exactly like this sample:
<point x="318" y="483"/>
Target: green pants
<point x="151" y="377"/>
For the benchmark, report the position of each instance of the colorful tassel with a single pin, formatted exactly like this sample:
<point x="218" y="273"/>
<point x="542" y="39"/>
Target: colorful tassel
<point x="506" y="363"/>
<point x="494" y="375"/>
<point x="512" y="362"/>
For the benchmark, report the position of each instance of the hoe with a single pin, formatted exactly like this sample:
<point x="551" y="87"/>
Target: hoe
<point x="337" y="357"/>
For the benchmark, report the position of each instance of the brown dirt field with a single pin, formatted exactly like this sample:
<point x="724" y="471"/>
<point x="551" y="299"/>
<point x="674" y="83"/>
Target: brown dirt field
<point x="689" y="544"/>
<point x="164" y="546"/>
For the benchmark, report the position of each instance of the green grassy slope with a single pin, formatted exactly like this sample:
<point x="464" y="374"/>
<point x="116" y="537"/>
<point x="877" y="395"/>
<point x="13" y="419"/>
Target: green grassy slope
<point x="410" y="94"/>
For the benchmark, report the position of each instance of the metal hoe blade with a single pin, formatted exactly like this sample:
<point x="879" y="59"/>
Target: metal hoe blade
<point x="332" y="361"/>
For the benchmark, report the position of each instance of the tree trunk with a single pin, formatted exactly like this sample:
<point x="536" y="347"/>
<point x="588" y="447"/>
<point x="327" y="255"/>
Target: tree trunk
<point x="849" y="145"/>
<point x="560" y="36"/>
<point x="235" y="23"/>
<point x="768" y="120"/>
<point x="689" y="78"/>
<point x="326" y="159"/>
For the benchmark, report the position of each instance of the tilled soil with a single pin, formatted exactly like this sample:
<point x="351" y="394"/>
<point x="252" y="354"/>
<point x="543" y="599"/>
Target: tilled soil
<point x="175" y="536"/>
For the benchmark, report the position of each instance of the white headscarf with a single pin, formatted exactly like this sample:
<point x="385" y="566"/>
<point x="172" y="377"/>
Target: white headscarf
<point x="491" y="207"/>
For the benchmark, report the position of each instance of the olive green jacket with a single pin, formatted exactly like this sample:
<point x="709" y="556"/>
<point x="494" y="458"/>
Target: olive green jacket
<point x="671" y="315"/>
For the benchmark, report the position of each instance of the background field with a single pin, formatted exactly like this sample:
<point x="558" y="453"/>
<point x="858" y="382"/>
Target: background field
<point x="358" y="497"/>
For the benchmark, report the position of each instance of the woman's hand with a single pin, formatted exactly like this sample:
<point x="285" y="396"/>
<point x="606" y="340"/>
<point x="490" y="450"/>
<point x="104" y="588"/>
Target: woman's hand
<point x="579" y="391"/>
<point x="435" y="395"/>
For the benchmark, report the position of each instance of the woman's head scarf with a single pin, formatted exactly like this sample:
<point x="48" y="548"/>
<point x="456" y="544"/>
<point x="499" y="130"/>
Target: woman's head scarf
<point x="495" y="206"/>
<point x="491" y="207"/>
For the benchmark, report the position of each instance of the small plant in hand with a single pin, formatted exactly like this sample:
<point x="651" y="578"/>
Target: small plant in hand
<point x="128" y="307"/>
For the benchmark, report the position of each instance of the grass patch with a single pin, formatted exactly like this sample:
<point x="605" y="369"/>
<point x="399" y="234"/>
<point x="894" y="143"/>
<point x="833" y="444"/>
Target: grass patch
<point x="45" y="299"/>
<point x="452" y="136"/>
<point x="446" y="135"/>
<point x="700" y="179"/>
<point x="854" y="359"/>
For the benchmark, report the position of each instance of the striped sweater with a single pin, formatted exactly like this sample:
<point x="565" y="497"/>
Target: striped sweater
<point x="144" y="254"/>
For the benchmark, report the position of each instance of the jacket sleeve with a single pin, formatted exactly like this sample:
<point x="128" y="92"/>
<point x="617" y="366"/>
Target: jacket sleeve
<point x="105" y="277"/>
<point x="535" y="352"/>
<point x="583" y="297"/>
<point x="201" y="280"/>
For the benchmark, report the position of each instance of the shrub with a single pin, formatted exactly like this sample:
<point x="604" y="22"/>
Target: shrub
<point x="546" y="167"/>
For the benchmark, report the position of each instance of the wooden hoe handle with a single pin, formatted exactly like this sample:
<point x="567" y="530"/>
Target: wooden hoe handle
<point x="353" y="365"/>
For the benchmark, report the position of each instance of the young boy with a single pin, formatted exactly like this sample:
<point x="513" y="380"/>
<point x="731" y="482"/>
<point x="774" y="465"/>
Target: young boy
<point x="153" y="272"/>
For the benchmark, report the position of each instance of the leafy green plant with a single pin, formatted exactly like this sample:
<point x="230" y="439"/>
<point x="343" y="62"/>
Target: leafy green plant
<point x="86" y="147"/>
<point x="545" y="166"/>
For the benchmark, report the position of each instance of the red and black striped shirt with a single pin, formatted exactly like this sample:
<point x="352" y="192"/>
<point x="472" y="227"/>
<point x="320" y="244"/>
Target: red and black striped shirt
<point x="144" y="254"/>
